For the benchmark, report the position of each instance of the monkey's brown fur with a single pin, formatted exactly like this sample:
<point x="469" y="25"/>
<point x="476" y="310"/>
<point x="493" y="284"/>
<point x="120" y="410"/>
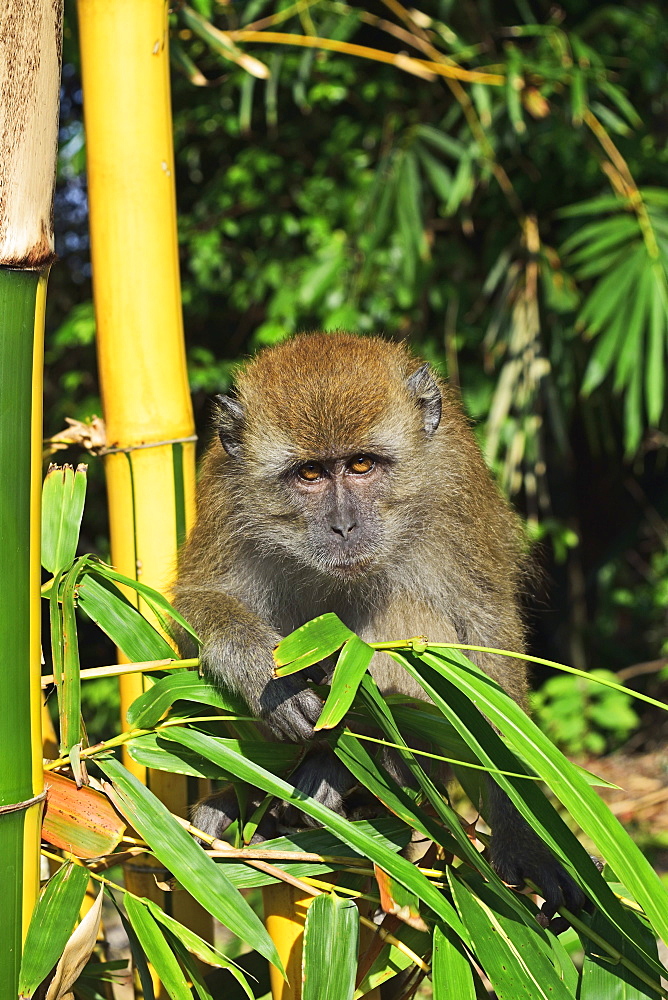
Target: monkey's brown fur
<point x="420" y="543"/>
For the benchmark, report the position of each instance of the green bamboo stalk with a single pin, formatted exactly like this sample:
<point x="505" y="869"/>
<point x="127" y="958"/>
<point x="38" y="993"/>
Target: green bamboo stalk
<point x="29" y="77"/>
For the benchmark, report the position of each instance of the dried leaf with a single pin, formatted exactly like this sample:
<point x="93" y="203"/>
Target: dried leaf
<point x="77" y="952"/>
<point x="79" y="820"/>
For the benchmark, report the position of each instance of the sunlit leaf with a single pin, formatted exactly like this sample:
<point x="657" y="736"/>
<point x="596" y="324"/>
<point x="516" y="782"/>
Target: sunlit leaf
<point x="351" y="666"/>
<point x="452" y="975"/>
<point x="63" y="496"/>
<point x="311" y="643"/>
<point x="52" y="921"/>
<point x="329" y="960"/>
<point x="189" y="864"/>
<point x="147" y="710"/>
<point x="158" y="952"/>
<point x="399" y="867"/>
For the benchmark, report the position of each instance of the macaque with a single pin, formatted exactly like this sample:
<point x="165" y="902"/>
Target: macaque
<point x="345" y="478"/>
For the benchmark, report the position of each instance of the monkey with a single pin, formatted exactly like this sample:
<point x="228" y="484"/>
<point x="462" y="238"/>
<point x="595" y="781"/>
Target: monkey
<point x="344" y="477"/>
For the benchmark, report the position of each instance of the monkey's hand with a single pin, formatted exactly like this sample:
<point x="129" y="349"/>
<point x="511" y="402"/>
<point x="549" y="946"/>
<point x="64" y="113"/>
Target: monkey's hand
<point x="290" y="709"/>
<point x="525" y="858"/>
<point x="238" y="656"/>
<point x="518" y="855"/>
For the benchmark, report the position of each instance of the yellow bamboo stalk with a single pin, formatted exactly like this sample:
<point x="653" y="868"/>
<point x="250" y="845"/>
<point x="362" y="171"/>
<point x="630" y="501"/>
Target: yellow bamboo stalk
<point x="150" y="469"/>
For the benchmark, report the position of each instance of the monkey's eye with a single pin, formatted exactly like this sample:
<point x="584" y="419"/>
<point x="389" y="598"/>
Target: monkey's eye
<point x="310" y="472"/>
<point x="360" y="464"/>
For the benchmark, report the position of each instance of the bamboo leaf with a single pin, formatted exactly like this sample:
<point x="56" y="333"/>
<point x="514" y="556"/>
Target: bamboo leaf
<point x="69" y="691"/>
<point x="409" y="216"/>
<point x="154" y="750"/>
<point x="461" y="186"/>
<point x="514" y="86"/>
<point x="190" y="865"/>
<point x="505" y="946"/>
<point x="603" y="355"/>
<point x="195" y="944"/>
<point x="63" y="496"/>
<point x="351" y="667"/>
<point x="52" y="921"/>
<point x="126" y="627"/>
<point x="633" y="412"/>
<point x="601" y="978"/>
<point x="602" y="234"/>
<point x="657" y="337"/>
<point x="594" y="206"/>
<point x="138" y="956"/>
<point x="77" y="951"/>
<point x="386" y="830"/>
<point x="388" y="791"/>
<point x="399" y="867"/>
<point x="331" y="937"/>
<point x="452" y="975"/>
<point x="630" y="357"/>
<point x="79" y="820"/>
<point x="311" y="643"/>
<point x="186" y="685"/>
<point x="441" y="141"/>
<point x="158" y="952"/>
<point x="222" y="44"/>
<point x="463" y="678"/>
<point x="439" y="176"/>
<point x="157" y="602"/>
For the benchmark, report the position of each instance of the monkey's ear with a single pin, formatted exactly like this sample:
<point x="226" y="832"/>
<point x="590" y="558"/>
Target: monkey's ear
<point x="230" y="422"/>
<point x="423" y="386"/>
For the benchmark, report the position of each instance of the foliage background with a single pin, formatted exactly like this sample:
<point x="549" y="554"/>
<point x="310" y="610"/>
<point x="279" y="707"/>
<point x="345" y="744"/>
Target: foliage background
<point x="342" y="193"/>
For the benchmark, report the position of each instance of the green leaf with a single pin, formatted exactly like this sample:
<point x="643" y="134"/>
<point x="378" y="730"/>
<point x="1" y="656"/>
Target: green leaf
<point x="441" y="141"/>
<point x="438" y="175"/>
<point x="465" y="679"/>
<point x="602" y="977"/>
<point x="600" y="236"/>
<point x="189" y="864"/>
<point x="657" y="336"/>
<point x="69" y="691"/>
<point x="409" y="216"/>
<point x="514" y="85"/>
<point x="351" y="667"/>
<point x="452" y="975"/>
<point x="147" y="710"/>
<point x="397" y="866"/>
<point x="311" y="643"/>
<point x="158" y="952"/>
<point x="386" y="830"/>
<point x="388" y="791"/>
<point x="138" y="956"/>
<point x="506" y="947"/>
<point x="197" y="945"/>
<point x="63" y="497"/>
<point x="157" y="602"/>
<point x="391" y="960"/>
<point x="331" y="939"/>
<point x="154" y="750"/>
<point x="122" y="622"/>
<point x="52" y="922"/>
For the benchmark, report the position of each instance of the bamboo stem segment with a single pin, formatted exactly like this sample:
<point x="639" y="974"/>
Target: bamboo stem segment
<point x="30" y="46"/>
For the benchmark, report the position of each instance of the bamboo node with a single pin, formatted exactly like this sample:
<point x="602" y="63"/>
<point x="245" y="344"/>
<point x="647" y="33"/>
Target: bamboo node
<point x="14" y="807"/>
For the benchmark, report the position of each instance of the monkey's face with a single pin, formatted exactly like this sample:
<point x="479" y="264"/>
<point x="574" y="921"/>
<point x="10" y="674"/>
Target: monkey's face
<point x="339" y="503"/>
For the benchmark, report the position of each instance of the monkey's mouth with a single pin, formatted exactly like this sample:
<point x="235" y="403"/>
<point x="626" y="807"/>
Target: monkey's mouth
<point x="350" y="567"/>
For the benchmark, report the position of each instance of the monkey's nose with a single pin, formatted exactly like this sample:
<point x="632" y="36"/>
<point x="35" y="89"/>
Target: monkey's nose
<point x="344" y="528"/>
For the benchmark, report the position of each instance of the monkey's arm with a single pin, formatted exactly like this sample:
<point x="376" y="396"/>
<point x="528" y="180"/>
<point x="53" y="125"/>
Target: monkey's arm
<point x="236" y="654"/>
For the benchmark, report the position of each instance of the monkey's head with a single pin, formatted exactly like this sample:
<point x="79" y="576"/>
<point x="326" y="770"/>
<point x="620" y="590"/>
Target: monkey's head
<point x="328" y="439"/>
